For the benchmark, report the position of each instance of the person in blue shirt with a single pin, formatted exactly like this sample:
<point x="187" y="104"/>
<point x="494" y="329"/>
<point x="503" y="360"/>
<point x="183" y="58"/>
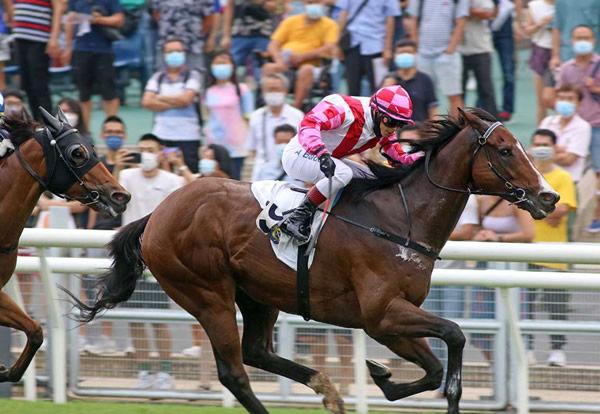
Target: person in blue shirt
<point x="91" y="55"/>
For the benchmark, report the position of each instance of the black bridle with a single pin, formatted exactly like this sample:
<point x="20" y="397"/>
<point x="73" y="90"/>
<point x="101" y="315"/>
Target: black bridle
<point x="517" y="193"/>
<point x="51" y="145"/>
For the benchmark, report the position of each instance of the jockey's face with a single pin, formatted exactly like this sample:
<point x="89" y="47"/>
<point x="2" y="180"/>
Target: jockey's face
<point x="387" y="131"/>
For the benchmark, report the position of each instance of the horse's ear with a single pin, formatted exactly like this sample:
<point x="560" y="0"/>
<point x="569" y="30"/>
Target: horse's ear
<point x="49" y="120"/>
<point x="468" y="118"/>
<point x="60" y="115"/>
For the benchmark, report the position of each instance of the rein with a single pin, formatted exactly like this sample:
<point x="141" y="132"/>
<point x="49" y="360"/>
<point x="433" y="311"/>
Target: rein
<point x="516" y="192"/>
<point x="91" y="197"/>
<point x="394" y="238"/>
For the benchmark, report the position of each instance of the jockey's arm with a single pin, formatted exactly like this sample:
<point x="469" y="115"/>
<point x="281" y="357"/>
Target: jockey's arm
<point x="395" y="151"/>
<point x="325" y="116"/>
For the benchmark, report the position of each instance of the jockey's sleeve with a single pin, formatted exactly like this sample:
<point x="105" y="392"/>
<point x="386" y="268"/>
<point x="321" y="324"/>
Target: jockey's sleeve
<point x="394" y="150"/>
<point x="324" y="116"/>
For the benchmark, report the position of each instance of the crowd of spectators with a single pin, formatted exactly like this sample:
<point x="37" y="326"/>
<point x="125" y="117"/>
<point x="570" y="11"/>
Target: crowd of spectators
<point x="228" y="82"/>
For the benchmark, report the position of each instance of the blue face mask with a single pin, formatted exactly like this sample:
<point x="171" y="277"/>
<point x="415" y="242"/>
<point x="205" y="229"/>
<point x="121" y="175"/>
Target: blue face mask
<point x="583" y="47"/>
<point x="114" y="142"/>
<point x="404" y="60"/>
<point x="314" y="11"/>
<point x="564" y="108"/>
<point x="222" y="72"/>
<point x="280" y="149"/>
<point x="207" y="166"/>
<point x="175" y="59"/>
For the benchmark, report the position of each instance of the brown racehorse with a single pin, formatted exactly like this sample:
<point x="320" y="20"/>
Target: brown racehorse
<point x="54" y="158"/>
<point x="203" y="247"/>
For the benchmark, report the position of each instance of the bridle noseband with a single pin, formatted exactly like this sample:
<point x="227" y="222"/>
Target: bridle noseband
<point x="515" y="192"/>
<point x="91" y="197"/>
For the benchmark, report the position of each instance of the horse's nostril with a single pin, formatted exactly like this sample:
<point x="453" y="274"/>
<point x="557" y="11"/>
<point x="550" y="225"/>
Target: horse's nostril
<point x="547" y="197"/>
<point x="120" y="197"/>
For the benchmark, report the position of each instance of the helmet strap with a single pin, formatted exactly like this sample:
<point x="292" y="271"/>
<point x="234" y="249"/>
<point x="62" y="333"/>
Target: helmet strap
<point x="376" y="115"/>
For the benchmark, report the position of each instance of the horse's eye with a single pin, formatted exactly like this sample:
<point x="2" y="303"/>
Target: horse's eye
<point x="78" y="155"/>
<point x="505" y="152"/>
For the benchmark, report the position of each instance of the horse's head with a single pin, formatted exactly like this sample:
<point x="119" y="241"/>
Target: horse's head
<point x="73" y="168"/>
<point x="500" y="165"/>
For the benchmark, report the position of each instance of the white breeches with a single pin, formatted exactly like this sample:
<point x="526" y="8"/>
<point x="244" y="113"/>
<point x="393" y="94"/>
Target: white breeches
<point x="303" y="166"/>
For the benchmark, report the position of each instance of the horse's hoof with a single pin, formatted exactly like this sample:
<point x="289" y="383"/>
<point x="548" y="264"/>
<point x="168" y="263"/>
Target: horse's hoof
<point x="334" y="405"/>
<point x="378" y="370"/>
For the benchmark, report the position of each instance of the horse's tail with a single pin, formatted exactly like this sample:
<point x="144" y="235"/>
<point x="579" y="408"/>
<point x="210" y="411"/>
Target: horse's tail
<point x="117" y="285"/>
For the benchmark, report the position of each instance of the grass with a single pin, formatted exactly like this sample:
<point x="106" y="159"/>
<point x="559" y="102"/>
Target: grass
<point x="93" y="407"/>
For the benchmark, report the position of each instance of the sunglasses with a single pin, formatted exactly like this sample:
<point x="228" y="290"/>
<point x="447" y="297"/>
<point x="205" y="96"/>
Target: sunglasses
<point x="392" y="123"/>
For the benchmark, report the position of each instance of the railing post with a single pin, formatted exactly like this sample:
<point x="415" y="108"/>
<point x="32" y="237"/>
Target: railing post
<point x="360" y="370"/>
<point x="518" y="346"/>
<point x="285" y="349"/>
<point x="58" y="348"/>
<point x="29" y="381"/>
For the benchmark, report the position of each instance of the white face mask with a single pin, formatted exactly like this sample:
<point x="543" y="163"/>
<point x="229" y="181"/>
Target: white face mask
<point x="149" y="161"/>
<point x="274" y="99"/>
<point x="72" y="118"/>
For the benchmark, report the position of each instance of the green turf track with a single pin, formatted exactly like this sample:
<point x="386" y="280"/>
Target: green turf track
<point x="89" y="407"/>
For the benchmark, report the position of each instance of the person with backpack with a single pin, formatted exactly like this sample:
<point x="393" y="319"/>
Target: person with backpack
<point x="437" y="27"/>
<point x="174" y="97"/>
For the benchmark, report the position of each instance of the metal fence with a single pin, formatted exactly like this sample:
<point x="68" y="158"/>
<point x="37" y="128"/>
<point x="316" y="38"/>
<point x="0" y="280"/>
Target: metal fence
<point x="498" y="309"/>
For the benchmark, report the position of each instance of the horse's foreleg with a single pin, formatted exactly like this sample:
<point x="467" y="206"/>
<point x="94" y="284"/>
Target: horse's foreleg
<point x="257" y="348"/>
<point x="415" y="350"/>
<point x="405" y="320"/>
<point x="12" y="316"/>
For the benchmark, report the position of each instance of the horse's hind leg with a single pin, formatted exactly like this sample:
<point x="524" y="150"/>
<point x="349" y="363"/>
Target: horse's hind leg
<point x="257" y="349"/>
<point x="12" y="316"/>
<point x="221" y="327"/>
<point x="213" y="305"/>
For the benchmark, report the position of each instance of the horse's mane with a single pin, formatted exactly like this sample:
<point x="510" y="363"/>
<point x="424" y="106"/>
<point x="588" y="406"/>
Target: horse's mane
<point x="20" y="129"/>
<point x="437" y="133"/>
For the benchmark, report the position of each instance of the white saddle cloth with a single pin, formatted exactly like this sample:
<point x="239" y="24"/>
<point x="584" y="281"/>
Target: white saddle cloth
<point x="275" y="199"/>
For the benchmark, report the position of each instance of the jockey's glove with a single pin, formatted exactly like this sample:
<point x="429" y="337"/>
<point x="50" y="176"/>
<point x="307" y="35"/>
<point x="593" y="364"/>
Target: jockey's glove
<point x="327" y="165"/>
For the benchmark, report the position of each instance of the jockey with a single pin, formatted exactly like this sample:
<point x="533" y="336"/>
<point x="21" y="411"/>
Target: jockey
<point x="336" y="127"/>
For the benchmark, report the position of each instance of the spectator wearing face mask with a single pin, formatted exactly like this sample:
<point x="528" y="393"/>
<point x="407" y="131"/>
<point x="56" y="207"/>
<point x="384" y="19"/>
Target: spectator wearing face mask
<point x="273" y="170"/>
<point x="149" y="186"/>
<point x="173" y="95"/>
<point x="261" y="141"/>
<point x="14" y="101"/>
<point x="573" y="133"/>
<point x="553" y="228"/>
<point x="418" y="84"/>
<point x="113" y="133"/>
<point x="74" y="113"/>
<point x="229" y="103"/>
<point x="584" y="71"/>
<point x="215" y="162"/>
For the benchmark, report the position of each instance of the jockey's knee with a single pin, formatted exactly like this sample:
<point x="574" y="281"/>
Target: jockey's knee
<point x="343" y="173"/>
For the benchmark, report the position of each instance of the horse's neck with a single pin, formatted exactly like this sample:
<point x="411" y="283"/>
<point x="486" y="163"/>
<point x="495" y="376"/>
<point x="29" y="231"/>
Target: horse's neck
<point x="434" y="211"/>
<point x="20" y="193"/>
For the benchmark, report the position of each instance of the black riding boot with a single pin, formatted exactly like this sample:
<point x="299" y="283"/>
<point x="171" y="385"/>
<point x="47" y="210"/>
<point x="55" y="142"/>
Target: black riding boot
<point x="299" y="222"/>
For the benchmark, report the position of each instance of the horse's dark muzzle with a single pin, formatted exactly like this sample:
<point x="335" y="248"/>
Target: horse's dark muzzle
<point x="119" y="200"/>
<point x="548" y="200"/>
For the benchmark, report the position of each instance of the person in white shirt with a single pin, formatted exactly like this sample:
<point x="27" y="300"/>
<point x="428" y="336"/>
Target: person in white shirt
<point x="573" y="133"/>
<point x="149" y="186"/>
<point x="261" y="138"/>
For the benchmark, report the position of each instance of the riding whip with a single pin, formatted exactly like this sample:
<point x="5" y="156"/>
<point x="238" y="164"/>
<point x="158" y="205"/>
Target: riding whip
<point x="313" y="240"/>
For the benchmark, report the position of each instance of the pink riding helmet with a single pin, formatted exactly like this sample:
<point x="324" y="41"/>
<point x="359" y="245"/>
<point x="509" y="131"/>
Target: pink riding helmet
<point x="394" y="102"/>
